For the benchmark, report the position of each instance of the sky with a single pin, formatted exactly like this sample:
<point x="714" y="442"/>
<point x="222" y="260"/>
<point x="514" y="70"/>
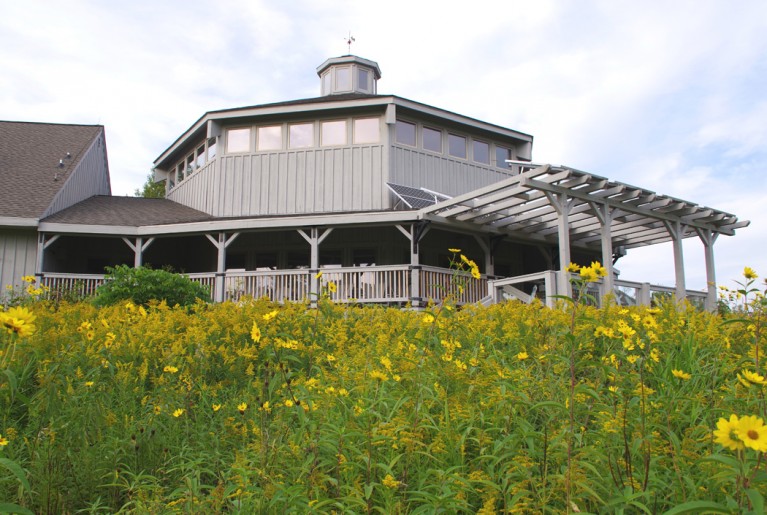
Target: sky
<point x="670" y="96"/>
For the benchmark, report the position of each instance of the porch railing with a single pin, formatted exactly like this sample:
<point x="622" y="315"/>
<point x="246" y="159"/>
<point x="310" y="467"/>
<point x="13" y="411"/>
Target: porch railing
<point x="388" y="284"/>
<point x="81" y="285"/>
<point x="437" y="283"/>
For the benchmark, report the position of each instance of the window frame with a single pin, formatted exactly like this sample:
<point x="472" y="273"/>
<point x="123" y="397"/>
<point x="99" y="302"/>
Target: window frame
<point x="441" y="133"/>
<point x="229" y="130"/>
<point x="451" y="136"/>
<point x="312" y="143"/>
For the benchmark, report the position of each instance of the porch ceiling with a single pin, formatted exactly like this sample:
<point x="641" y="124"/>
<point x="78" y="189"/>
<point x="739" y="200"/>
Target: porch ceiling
<point x="528" y="204"/>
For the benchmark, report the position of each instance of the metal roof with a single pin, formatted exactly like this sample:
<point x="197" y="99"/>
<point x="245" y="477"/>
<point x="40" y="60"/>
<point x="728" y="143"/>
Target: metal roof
<point x="527" y="205"/>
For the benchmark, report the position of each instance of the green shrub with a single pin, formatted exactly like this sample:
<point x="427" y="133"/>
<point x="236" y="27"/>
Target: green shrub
<point x="143" y="284"/>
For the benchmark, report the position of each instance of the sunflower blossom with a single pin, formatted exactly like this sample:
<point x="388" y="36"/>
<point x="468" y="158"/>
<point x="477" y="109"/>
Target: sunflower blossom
<point x="572" y="268"/>
<point x="751" y="378"/>
<point x="681" y="374"/>
<point x="255" y="333"/>
<point x="752" y="432"/>
<point x="726" y="433"/>
<point x="749" y="273"/>
<point x="18" y="320"/>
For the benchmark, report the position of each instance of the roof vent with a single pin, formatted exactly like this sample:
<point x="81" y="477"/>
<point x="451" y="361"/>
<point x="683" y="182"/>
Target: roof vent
<point x="61" y="163"/>
<point x="348" y="74"/>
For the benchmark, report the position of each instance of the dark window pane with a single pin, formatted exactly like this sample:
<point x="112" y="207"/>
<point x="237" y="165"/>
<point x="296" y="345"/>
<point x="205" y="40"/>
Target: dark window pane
<point x="432" y="139"/>
<point x="405" y="133"/>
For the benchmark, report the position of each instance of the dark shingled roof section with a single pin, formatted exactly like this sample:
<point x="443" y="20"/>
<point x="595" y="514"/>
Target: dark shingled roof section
<point x="30" y="152"/>
<point x="127" y="211"/>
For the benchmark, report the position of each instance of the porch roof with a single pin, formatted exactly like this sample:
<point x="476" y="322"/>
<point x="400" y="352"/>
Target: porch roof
<point x="528" y="205"/>
<point x="126" y="211"/>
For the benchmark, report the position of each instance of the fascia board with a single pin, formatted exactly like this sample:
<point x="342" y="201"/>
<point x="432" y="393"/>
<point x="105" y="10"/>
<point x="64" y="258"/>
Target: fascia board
<point x="13" y="221"/>
<point x="340" y="219"/>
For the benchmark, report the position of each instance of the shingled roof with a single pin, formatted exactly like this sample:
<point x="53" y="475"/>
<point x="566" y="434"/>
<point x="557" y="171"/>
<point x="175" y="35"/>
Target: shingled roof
<point x="127" y="211"/>
<point x="30" y="175"/>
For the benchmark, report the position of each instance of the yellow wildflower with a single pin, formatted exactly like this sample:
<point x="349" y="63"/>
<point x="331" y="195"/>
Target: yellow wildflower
<point x="255" y="333"/>
<point x="454" y="251"/>
<point x="269" y="316"/>
<point x="681" y="374"/>
<point x="749" y="273"/>
<point x="170" y="369"/>
<point x="572" y="268"/>
<point x="288" y="403"/>
<point x="390" y="482"/>
<point x="319" y="275"/>
<point x="3" y="441"/>
<point x="88" y="384"/>
<point x="752" y="432"/>
<point x="332" y="287"/>
<point x="588" y="274"/>
<point x="179" y="412"/>
<point x="241" y="407"/>
<point x="523" y="356"/>
<point x="751" y="378"/>
<point x="18" y="320"/>
<point x="216" y="407"/>
<point x="598" y="268"/>
<point x="29" y="279"/>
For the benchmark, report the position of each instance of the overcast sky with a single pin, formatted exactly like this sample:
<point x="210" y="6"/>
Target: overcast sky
<point x="667" y="95"/>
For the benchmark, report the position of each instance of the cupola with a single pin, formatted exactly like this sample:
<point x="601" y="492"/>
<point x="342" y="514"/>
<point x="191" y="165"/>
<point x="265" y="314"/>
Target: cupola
<point x="348" y="74"/>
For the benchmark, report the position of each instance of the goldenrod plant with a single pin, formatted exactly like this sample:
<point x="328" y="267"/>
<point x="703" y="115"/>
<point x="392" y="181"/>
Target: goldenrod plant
<point x="257" y="407"/>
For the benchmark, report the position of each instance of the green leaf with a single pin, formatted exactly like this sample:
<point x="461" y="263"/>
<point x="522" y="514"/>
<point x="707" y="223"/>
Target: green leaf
<point x="698" y="507"/>
<point x="9" y="507"/>
<point x="17" y="471"/>
<point x="12" y="381"/>
<point x="757" y="500"/>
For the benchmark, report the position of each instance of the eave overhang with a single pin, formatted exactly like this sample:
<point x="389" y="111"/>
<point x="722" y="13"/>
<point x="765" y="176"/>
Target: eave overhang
<point x="235" y="224"/>
<point x="18" y="222"/>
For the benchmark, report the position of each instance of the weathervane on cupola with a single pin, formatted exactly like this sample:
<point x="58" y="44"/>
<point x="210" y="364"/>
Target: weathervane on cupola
<point x="349" y="40"/>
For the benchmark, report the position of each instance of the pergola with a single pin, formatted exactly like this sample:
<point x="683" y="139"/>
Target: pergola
<point x="561" y="205"/>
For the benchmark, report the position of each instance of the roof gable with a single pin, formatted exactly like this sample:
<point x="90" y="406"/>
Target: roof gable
<point x="36" y="159"/>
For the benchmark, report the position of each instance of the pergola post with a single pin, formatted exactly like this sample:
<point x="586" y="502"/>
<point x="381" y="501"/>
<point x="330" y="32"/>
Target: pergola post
<point x="314" y="239"/>
<point x="604" y="214"/>
<point x="563" y="206"/>
<point x="708" y="238"/>
<point x="221" y="243"/>
<point x="676" y="232"/>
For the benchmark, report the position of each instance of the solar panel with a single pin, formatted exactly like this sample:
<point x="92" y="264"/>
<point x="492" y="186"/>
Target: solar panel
<point x="416" y="198"/>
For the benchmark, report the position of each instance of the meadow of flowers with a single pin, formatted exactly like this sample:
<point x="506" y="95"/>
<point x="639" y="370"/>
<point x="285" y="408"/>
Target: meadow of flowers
<point x="257" y="407"/>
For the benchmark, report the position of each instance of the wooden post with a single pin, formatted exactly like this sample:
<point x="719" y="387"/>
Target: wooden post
<point x="314" y="239"/>
<point x="676" y="232"/>
<point x="561" y="204"/>
<point x="416" y="232"/>
<point x="708" y="238"/>
<point x="138" y="249"/>
<point x="42" y="244"/>
<point x="221" y="243"/>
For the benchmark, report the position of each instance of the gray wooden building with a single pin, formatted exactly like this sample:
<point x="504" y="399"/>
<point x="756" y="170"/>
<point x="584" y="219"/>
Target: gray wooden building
<point x="371" y="189"/>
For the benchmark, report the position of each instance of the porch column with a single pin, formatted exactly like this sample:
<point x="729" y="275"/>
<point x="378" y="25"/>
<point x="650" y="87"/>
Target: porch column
<point x="676" y="232"/>
<point x="42" y="244"/>
<point x="605" y="214"/>
<point x="138" y="249"/>
<point x="314" y="239"/>
<point x="708" y="237"/>
<point x="221" y="243"/>
<point x="416" y="232"/>
<point x="563" y="206"/>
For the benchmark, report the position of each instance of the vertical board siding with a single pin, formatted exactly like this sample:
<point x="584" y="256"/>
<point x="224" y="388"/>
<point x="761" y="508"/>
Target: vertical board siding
<point x="419" y="169"/>
<point x="18" y="256"/>
<point x="288" y="182"/>
<point x="90" y="177"/>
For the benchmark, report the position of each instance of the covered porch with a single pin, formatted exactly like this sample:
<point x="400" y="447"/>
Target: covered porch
<point x="522" y="233"/>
